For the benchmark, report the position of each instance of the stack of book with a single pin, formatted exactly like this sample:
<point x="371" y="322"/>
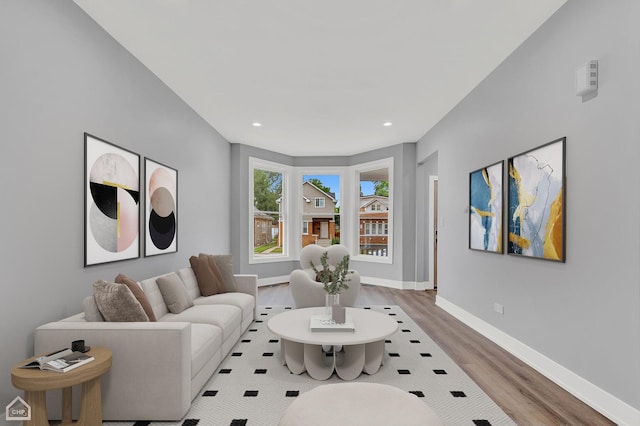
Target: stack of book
<point x="324" y="323"/>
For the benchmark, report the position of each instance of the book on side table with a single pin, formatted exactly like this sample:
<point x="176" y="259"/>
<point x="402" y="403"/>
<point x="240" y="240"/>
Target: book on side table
<point x="60" y="361"/>
<point x="324" y="323"/>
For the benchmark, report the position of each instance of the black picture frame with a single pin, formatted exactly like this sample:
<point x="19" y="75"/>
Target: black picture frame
<point x="486" y="208"/>
<point x="161" y="208"/>
<point x="111" y="202"/>
<point x="536" y="202"/>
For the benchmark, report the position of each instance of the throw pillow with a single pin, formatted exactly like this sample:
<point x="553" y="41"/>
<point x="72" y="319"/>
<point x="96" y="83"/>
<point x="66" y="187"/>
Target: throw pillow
<point x="174" y="293"/>
<point x="138" y="293"/>
<point x="209" y="282"/>
<point x="116" y="302"/>
<point x="224" y="262"/>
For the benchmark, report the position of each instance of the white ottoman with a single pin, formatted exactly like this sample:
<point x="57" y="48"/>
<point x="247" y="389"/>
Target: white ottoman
<point x="358" y="404"/>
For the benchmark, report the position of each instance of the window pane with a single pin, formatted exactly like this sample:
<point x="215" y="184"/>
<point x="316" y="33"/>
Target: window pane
<point x="268" y="237"/>
<point x="374" y="212"/>
<point x="321" y="209"/>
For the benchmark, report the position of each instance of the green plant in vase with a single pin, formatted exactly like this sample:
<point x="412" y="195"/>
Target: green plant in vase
<point x="333" y="280"/>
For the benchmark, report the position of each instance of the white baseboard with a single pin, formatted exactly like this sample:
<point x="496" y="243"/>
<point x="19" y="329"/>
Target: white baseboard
<point x="424" y="285"/>
<point x="618" y="411"/>
<point x="383" y="282"/>
<point x="401" y="285"/>
<point x="273" y="280"/>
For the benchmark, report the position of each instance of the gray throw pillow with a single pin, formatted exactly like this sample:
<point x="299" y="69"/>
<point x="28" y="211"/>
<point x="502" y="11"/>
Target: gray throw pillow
<point x="174" y="293"/>
<point x="116" y="303"/>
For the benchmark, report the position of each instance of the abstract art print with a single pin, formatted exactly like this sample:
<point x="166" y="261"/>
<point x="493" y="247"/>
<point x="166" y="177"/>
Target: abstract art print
<point x="161" y="184"/>
<point x="536" y="200"/>
<point x="485" y="208"/>
<point x="112" y="202"/>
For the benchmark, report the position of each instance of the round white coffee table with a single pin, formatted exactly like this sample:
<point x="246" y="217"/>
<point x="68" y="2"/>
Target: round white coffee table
<point x="362" y="350"/>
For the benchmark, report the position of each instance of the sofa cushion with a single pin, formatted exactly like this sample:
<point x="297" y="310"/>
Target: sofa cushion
<point x="190" y="282"/>
<point x="138" y="293"/>
<point x="227" y="317"/>
<point x="152" y="292"/>
<point x="245" y="302"/>
<point x="224" y="263"/>
<point x="91" y="311"/>
<point x="209" y="281"/>
<point x="206" y="340"/>
<point x="174" y="293"/>
<point x="117" y="303"/>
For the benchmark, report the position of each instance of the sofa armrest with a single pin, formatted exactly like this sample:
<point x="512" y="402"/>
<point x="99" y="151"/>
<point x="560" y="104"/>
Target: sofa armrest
<point x="247" y="283"/>
<point x="151" y="364"/>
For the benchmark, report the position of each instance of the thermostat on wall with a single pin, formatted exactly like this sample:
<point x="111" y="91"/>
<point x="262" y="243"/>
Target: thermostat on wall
<point x="587" y="78"/>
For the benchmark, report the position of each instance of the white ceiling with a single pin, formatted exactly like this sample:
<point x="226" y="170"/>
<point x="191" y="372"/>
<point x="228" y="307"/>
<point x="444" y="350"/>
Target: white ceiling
<point x="321" y="76"/>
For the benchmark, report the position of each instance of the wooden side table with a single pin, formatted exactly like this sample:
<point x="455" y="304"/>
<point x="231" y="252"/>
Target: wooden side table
<point x="35" y="382"/>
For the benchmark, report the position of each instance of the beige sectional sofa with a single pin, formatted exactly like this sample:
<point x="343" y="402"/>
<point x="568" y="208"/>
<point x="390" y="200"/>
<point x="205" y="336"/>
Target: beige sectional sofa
<point x="158" y="367"/>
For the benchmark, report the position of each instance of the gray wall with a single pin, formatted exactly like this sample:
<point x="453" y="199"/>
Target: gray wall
<point x="404" y="169"/>
<point x="584" y="314"/>
<point x="61" y="75"/>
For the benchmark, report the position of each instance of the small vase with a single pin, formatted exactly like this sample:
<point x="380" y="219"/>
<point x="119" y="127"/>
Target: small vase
<point x="329" y="301"/>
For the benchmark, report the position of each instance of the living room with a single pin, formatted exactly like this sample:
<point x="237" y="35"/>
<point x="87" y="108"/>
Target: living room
<point x="576" y="321"/>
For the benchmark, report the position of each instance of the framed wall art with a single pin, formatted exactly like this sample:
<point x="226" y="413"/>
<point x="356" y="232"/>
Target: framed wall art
<point x="485" y="208"/>
<point x="536" y="202"/>
<point x="112" y="202"/>
<point x="161" y="207"/>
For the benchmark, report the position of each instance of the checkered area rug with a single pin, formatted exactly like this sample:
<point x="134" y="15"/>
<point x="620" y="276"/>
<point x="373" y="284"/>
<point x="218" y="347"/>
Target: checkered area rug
<point x="252" y="388"/>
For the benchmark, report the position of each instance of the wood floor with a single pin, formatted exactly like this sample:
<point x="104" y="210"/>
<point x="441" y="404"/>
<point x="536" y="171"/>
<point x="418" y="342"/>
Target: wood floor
<point x="525" y="395"/>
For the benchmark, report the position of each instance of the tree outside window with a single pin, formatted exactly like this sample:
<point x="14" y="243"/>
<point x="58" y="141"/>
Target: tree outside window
<point x="267" y="202"/>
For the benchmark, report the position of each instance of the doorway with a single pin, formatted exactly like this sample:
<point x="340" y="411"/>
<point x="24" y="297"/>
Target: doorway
<point x="324" y="230"/>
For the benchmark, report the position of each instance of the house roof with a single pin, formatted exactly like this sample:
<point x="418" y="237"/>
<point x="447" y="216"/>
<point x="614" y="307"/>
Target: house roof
<point x="367" y="200"/>
<point x="259" y="214"/>
<point x="328" y="194"/>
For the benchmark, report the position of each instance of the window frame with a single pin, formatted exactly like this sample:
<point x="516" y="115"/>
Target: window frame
<point x="284" y="211"/>
<point x="341" y="172"/>
<point x="291" y="209"/>
<point x="357" y="171"/>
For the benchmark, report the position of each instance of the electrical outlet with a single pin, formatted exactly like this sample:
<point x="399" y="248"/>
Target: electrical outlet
<point x="498" y="308"/>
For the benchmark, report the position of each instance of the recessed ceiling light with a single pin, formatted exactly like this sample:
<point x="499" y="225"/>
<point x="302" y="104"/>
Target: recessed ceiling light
<point x="256" y="124"/>
<point x="387" y="124"/>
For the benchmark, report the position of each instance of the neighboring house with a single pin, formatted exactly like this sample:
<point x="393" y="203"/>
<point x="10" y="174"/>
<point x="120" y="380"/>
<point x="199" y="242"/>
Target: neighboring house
<point x="318" y="215"/>
<point x="374" y="225"/>
<point x="262" y="224"/>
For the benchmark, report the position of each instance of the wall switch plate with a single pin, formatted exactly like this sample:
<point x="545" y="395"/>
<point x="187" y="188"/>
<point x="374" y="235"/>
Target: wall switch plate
<point x="587" y="78"/>
<point x="498" y="308"/>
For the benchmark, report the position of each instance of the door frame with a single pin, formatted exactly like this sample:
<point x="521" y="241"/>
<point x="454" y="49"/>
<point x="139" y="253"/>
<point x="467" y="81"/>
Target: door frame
<point x="432" y="226"/>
